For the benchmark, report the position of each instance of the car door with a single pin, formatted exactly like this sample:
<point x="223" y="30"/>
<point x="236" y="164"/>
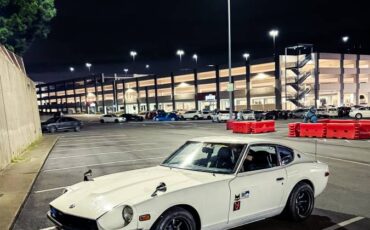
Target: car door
<point x="62" y="123"/>
<point x="258" y="188"/>
<point x="366" y="112"/>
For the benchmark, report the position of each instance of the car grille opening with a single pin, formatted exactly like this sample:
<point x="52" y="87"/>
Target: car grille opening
<point x="72" y="222"/>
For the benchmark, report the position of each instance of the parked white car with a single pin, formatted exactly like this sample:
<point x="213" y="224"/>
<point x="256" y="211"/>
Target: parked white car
<point x="111" y="118"/>
<point x="322" y="112"/>
<point x="358" y="113"/>
<point x="222" y="116"/>
<point x="332" y="112"/>
<point x="193" y="114"/>
<point x="248" y="115"/>
<point x="208" y="183"/>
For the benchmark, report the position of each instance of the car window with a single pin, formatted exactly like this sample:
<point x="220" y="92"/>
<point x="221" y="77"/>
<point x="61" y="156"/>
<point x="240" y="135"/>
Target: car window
<point x="286" y="155"/>
<point x="260" y="157"/>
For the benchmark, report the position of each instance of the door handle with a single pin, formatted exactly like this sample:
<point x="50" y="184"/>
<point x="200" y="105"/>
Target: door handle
<point x="279" y="178"/>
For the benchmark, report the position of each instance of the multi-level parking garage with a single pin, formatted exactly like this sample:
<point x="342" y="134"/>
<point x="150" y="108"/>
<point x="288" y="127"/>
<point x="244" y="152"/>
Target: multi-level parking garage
<point x="303" y="79"/>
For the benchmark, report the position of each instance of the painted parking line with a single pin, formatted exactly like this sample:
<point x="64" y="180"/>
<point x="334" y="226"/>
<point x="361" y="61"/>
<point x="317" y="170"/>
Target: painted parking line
<point x="105" y="153"/>
<point x="106" y="163"/>
<point x="95" y="142"/>
<point x="98" y="147"/>
<point x="49" y="228"/>
<point x="49" y="190"/>
<point x="338" y="159"/>
<point x="90" y="136"/>
<point x="344" y="223"/>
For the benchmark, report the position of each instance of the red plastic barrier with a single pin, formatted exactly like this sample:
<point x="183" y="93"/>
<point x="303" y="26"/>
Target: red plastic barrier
<point x="364" y="129"/>
<point x="312" y="130"/>
<point x="229" y="124"/>
<point x="342" y="130"/>
<point x="294" y="129"/>
<point x="263" y="126"/>
<point x="323" y="121"/>
<point x="242" y="127"/>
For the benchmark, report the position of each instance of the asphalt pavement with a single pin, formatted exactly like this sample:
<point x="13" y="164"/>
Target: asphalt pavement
<point x="111" y="148"/>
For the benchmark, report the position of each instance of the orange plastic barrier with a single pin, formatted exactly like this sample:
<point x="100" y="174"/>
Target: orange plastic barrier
<point x="294" y="129"/>
<point x="263" y="126"/>
<point x="229" y="124"/>
<point x="242" y="127"/>
<point x="343" y="131"/>
<point x="312" y="130"/>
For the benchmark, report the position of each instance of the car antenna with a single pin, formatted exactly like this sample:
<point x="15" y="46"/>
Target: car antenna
<point x="316" y="149"/>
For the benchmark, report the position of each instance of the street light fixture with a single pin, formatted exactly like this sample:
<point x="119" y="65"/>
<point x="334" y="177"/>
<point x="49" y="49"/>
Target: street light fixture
<point x="133" y="54"/>
<point x="72" y="69"/>
<point x="88" y="65"/>
<point x="246" y="56"/>
<point x="180" y="53"/>
<point x="274" y="34"/>
<point x="147" y="66"/>
<point x="195" y="57"/>
<point x="345" y="39"/>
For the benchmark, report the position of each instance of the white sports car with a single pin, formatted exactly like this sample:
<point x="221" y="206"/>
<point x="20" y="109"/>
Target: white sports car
<point x="208" y="183"/>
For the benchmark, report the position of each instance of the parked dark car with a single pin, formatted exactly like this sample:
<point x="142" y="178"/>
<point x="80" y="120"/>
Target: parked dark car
<point x="132" y="117"/>
<point x="150" y="115"/>
<point x="299" y="113"/>
<point x="61" y="123"/>
<point x="344" y="111"/>
<point x="166" y="117"/>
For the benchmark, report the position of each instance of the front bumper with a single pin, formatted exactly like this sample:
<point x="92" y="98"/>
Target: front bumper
<point x="69" y="222"/>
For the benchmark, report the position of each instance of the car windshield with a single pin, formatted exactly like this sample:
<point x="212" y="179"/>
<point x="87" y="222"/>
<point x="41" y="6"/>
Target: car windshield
<point x="206" y="157"/>
<point x="52" y="120"/>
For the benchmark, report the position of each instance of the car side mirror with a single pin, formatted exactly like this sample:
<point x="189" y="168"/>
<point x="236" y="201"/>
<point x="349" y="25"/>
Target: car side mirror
<point x="162" y="187"/>
<point x="88" y="175"/>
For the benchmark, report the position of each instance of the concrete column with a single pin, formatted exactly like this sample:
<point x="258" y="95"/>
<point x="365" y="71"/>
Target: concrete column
<point x="218" y="96"/>
<point x="65" y="96"/>
<point x="341" y="80"/>
<point x="49" y="106"/>
<point x="147" y="98"/>
<point x="138" y="95"/>
<point x="114" y="95"/>
<point x="124" y="95"/>
<point x="85" y="86"/>
<point x="80" y="103"/>
<point x="96" y="93"/>
<point x="233" y="95"/>
<point x="173" y="91"/>
<point x="277" y="80"/>
<point x="56" y="97"/>
<point x="102" y="93"/>
<point x="248" y="83"/>
<point x="196" y="89"/>
<point x="156" y="92"/>
<point x="74" y="95"/>
<point x="317" y="79"/>
<point x="357" y="80"/>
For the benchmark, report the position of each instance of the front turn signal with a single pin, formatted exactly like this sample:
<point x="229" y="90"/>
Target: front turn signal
<point x="144" y="217"/>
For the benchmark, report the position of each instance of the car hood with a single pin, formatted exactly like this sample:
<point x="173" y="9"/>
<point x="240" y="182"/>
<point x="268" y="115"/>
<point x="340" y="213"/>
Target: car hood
<point x="91" y="199"/>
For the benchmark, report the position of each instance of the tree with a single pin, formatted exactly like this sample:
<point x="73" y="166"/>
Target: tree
<point x="22" y="21"/>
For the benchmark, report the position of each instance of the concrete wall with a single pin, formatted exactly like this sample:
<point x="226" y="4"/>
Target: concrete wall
<point x="19" y="116"/>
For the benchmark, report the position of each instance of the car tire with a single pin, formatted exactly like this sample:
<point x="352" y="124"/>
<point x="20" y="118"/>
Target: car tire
<point x="358" y="116"/>
<point x="173" y="119"/>
<point x="300" y="202"/>
<point x="116" y="121"/>
<point x="209" y="118"/>
<point x="52" y="129"/>
<point x="77" y="129"/>
<point x="175" y="217"/>
<point x="195" y="117"/>
<point x="101" y="121"/>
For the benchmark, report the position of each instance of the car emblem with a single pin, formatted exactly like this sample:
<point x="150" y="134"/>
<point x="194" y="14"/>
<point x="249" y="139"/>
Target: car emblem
<point x="72" y="206"/>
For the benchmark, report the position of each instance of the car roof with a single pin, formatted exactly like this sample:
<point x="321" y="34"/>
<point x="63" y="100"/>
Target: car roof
<point x="235" y="140"/>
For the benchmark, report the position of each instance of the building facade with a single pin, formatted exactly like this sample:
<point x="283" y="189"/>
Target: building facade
<point x="304" y="79"/>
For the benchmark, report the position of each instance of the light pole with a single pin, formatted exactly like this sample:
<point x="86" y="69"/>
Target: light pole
<point x="180" y="53"/>
<point x="231" y="87"/>
<point x="133" y="54"/>
<point x="274" y="34"/>
<point x="88" y="65"/>
<point x="246" y="56"/>
<point x="71" y="69"/>
<point x="345" y="41"/>
<point x="195" y="57"/>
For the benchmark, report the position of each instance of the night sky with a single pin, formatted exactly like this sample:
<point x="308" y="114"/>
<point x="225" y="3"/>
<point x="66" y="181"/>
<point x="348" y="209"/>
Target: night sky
<point x="104" y="32"/>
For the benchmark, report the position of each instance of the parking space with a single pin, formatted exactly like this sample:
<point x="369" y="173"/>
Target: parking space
<point x="111" y="148"/>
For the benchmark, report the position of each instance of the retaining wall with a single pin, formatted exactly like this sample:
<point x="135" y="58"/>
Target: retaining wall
<point x="19" y="116"/>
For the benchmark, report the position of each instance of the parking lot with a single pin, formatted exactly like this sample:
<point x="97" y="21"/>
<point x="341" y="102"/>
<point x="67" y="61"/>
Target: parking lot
<point x="109" y="148"/>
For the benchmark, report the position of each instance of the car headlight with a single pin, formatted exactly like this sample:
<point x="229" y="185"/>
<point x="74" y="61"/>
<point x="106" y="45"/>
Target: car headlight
<point x="127" y="214"/>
